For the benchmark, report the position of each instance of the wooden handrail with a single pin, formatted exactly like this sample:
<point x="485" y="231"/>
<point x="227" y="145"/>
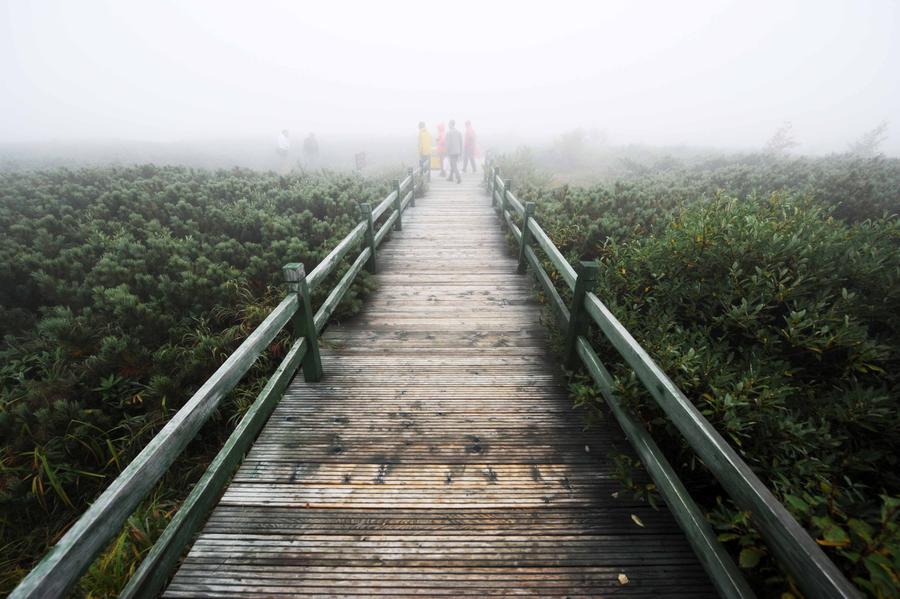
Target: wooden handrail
<point x="789" y="541"/>
<point x="64" y="564"/>
<point x="515" y="203"/>
<point x="816" y="575"/>
<point x="151" y="576"/>
<point x="70" y="557"/>
<point x="562" y="265"/>
<point x="330" y="262"/>
<point x="728" y="579"/>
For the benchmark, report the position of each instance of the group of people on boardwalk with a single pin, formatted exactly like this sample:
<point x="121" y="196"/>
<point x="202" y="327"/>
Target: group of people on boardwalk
<point x="450" y="145"/>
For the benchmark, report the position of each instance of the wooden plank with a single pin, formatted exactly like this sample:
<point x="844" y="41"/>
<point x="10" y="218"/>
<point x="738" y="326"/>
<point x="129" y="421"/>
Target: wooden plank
<point x="440" y="455"/>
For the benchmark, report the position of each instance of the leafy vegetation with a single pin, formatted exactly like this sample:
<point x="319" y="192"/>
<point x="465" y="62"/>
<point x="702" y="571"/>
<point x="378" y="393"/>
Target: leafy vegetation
<point x="769" y="290"/>
<point x="121" y="291"/>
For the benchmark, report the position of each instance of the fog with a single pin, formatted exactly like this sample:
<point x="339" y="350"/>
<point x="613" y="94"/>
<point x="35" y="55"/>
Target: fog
<point x="705" y="73"/>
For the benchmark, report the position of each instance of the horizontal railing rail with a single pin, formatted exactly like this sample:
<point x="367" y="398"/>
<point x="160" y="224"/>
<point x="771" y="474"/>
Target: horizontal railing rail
<point x="791" y="544"/>
<point x="59" y="571"/>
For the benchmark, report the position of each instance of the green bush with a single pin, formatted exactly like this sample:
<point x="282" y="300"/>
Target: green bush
<point x="777" y="315"/>
<point x="121" y="291"/>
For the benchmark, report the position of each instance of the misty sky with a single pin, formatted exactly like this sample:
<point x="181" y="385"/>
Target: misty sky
<point x="697" y="72"/>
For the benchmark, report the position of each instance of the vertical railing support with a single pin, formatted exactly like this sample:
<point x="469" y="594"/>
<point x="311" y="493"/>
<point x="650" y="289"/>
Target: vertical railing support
<point x="494" y="180"/>
<point x="365" y="210"/>
<point x="304" y="325"/>
<point x="398" y="206"/>
<point x="578" y="316"/>
<point x="526" y="236"/>
<point x="504" y="204"/>
<point x="490" y="181"/>
<point x="412" y="186"/>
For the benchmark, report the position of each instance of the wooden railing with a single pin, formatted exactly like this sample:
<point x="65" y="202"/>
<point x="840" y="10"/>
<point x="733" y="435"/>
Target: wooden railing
<point x="60" y="569"/>
<point x="816" y="575"/>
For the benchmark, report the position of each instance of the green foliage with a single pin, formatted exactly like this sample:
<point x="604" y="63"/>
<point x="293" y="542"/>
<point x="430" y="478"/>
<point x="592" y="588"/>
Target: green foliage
<point x="121" y="291"/>
<point x="774" y="306"/>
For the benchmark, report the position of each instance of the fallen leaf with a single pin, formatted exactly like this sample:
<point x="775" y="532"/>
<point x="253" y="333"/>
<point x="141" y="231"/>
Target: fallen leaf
<point x="615" y="495"/>
<point x="623" y="579"/>
<point x="637" y="520"/>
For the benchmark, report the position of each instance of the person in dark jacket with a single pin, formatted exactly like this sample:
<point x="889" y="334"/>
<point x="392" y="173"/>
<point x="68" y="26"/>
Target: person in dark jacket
<point x="311" y="151"/>
<point x="454" y="144"/>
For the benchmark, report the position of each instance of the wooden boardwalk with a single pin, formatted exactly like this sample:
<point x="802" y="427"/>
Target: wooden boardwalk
<point x="440" y="455"/>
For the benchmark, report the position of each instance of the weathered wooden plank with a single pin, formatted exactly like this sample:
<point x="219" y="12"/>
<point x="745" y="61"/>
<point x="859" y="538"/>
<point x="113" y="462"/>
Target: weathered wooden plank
<point x="440" y="454"/>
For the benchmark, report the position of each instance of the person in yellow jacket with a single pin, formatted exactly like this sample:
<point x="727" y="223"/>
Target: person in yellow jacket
<point x="424" y="145"/>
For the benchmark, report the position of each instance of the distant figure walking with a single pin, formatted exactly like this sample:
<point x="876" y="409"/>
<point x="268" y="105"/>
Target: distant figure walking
<point x="311" y="151"/>
<point x="470" y="148"/>
<point x="424" y="145"/>
<point x="454" y="149"/>
<point x="441" y="147"/>
<point x="283" y="148"/>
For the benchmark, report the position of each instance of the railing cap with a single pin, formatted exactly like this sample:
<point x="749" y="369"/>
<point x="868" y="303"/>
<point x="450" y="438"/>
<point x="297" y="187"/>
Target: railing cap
<point x="588" y="269"/>
<point x="294" y="272"/>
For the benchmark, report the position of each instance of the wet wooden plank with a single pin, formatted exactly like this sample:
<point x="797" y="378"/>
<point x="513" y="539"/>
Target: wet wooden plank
<point x="440" y="455"/>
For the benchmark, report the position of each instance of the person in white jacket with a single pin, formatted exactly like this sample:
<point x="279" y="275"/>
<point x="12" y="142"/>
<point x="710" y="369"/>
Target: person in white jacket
<point x="283" y="147"/>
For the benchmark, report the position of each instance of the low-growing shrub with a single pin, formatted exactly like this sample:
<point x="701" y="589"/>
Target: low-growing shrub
<point x="121" y="291"/>
<point x="777" y="315"/>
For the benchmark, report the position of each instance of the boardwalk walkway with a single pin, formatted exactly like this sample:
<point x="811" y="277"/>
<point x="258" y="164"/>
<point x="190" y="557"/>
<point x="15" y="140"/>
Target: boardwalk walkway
<point x="440" y="454"/>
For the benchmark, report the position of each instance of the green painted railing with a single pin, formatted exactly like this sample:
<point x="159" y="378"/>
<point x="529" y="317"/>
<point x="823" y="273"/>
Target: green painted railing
<point x="816" y="575"/>
<point x="60" y="569"/>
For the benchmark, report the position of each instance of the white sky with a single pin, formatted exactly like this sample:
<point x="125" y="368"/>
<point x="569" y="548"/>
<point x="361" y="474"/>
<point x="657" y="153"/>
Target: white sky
<point x="721" y="72"/>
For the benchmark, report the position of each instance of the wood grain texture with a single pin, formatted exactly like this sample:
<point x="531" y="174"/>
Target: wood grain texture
<point x="440" y="454"/>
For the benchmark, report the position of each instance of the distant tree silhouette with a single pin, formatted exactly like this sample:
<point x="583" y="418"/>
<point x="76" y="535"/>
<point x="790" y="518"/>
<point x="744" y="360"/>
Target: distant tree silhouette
<point x="870" y="143"/>
<point x="782" y="141"/>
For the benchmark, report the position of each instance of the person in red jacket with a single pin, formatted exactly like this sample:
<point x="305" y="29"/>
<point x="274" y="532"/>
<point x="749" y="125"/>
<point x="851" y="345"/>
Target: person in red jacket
<point x="470" y="147"/>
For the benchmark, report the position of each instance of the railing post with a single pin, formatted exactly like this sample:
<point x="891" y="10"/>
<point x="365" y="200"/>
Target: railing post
<point x="490" y="174"/>
<point x="578" y="316"/>
<point x="504" y="205"/>
<point x="304" y="326"/>
<point x="412" y="186"/>
<point x="494" y="178"/>
<point x="398" y="206"/>
<point x="526" y="236"/>
<point x="365" y="210"/>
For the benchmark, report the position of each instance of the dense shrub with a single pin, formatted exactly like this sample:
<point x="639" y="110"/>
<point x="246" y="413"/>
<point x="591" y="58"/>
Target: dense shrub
<point x="121" y="290"/>
<point x="776" y="312"/>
